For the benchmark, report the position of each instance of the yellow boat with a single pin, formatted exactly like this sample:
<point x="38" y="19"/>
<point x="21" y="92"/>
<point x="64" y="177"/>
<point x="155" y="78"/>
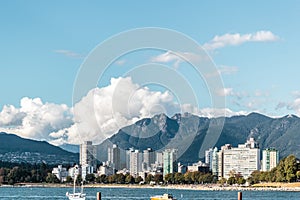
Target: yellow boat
<point x="163" y="197"/>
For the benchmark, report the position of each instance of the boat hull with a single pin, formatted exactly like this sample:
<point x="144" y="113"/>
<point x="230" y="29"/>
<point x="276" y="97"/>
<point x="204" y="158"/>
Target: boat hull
<point x="76" y="196"/>
<point x="163" y="197"/>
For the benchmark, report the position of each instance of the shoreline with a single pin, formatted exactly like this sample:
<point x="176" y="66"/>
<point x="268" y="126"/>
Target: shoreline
<point x="294" y="187"/>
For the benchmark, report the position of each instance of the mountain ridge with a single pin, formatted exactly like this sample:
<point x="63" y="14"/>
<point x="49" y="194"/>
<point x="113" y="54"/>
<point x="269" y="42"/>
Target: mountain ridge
<point x="14" y="148"/>
<point x="187" y="133"/>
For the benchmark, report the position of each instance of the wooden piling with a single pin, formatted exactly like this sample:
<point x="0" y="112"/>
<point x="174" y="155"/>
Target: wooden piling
<point x="240" y="196"/>
<point x="98" y="195"/>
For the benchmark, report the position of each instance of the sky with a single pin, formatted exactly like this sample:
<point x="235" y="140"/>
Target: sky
<point x="254" y="46"/>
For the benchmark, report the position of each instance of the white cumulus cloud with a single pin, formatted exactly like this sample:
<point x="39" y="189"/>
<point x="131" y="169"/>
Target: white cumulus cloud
<point x="35" y="119"/>
<point x="103" y="111"/>
<point x="97" y="116"/>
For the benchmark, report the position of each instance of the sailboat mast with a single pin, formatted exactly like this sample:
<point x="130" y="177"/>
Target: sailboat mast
<point x="74" y="185"/>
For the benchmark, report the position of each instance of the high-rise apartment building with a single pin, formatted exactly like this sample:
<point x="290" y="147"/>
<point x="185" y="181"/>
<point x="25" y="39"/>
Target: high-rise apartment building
<point x="148" y="159"/>
<point x="169" y="161"/>
<point x="114" y="157"/>
<point x="159" y="159"/>
<point x="243" y="159"/>
<point x="88" y="155"/>
<point x="214" y="162"/>
<point x="135" y="162"/>
<point x="220" y="158"/>
<point x="208" y="157"/>
<point x="270" y="159"/>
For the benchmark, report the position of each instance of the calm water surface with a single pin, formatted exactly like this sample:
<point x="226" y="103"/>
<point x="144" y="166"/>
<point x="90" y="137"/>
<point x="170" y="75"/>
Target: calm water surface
<point x="20" y="193"/>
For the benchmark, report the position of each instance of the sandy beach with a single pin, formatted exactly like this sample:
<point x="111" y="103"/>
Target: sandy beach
<point x="208" y="187"/>
<point x="215" y="187"/>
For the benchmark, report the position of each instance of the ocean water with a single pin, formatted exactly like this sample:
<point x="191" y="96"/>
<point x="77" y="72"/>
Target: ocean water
<point x="24" y="193"/>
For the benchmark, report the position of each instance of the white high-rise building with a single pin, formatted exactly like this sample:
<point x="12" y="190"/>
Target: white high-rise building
<point x="148" y="159"/>
<point x="214" y="162"/>
<point x="88" y="155"/>
<point x="159" y="159"/>
<point x="208" y="157"/>
<point x="243" y="159"/>
<point x="135" y="163"/>
<point x="221" y="160"/>
<point x="270" y="159"/>
<point x="128" y="152"/>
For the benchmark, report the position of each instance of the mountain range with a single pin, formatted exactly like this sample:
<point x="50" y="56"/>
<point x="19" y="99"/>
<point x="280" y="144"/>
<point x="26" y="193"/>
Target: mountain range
<point x="16" y="149"/>
<point x="188" y="133"/>
<point x="192" y="135"/>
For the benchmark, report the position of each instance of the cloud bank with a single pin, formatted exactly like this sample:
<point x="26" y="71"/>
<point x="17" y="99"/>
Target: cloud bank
<point x="103" y="111"/>
<point x="35" y="119"/>
<point x="100" y="114"/>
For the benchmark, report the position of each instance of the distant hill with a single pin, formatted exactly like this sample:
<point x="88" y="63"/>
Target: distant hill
<point x="16" y="149"/>
<point x="187" y="132"/>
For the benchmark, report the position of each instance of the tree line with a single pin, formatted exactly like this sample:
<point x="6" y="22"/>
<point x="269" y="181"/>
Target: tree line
<point x="288" y="170"/>
<point x="13" y="173"/>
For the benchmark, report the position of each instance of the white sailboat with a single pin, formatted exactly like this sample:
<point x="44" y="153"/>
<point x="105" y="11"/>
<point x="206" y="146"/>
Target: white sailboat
<point x="76" y="195"/>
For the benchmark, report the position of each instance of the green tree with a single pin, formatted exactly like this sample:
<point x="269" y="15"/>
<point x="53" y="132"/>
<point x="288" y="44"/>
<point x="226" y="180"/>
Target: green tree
<point x="169" y="178"/>
<point x="129" y="179"/>
<point x="188" y="177"/>
<point x="90" y="178"/>
<point x="298" y="174"/>
<point x="195" y="176"/>
<point x="206" y="178"/>
<point x="149" y="178"/>
<point x="254" y="177"/>
<point x="290" y="168"/>
<point x="101" y="179"/>
<point x="79" y="179"/>
<point x="120" y="178"/>
<point x="138" y="179"/>
<point x="51" y="178"/>
<point x="69" y="179"/>
<point x="279" y="172"/>
<point x="111" y="179"/>
<point x="17" y="174"/>
<point x="158" y="178"/>
<point x="178" y="178"/>
<point x="231" y="180"/>
<point x="222" y="181"/>
<point x="241" y="181"/>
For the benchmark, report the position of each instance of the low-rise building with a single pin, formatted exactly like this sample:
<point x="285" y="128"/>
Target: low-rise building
<point x="74" y="171"/>
<point x="60" y="172"/>
<point x="105" y="170"/>
<point x="198" y="167"/>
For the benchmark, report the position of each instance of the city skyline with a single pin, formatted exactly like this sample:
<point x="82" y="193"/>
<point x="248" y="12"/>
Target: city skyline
<point x="227" y="162"/>
<point x="44" y="45"/>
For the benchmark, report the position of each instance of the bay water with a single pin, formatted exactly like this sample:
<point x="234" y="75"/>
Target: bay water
<point x="40" y="193"/>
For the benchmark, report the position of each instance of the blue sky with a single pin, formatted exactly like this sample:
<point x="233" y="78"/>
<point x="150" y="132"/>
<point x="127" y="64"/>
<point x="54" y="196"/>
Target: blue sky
<point x="43" y="44"/>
